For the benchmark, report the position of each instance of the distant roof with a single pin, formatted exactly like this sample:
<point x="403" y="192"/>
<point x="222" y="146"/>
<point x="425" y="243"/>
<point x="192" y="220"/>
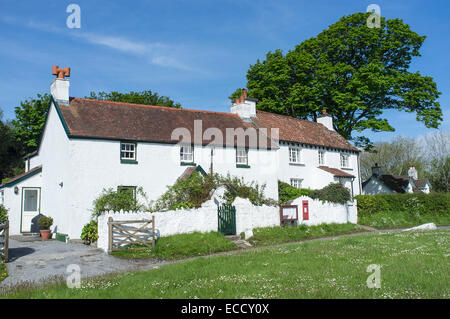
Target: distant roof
<point x="336" y="172"/>
<point x="296" y="130"/>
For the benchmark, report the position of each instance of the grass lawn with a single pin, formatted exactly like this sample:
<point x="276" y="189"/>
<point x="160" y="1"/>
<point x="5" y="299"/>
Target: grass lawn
<point x="180" y="246"/>
<point x="383" y="220"/>
<point x="413" y="265"/>
<point x="274" y="235"/>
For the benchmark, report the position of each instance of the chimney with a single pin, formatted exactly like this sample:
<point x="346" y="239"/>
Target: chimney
<point x="60" y="86"/>
<point x="244" y="106"/>
<point x="376" y="170"/>
<point x="412" y="172"/>
<point x="326" y="120"/>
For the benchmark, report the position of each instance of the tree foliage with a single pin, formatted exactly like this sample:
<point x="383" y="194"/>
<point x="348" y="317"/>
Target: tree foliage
<point x="354" y="72"/>
<point x="144" y="97"/>
<point x="29" y="121"/>
<point x="10" y="151"/>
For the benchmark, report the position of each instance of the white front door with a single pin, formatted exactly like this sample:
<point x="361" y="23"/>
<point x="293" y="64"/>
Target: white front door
<point x="31" y="205"/>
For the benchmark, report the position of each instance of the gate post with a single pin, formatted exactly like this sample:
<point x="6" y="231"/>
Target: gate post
<point x="110" y="233"/>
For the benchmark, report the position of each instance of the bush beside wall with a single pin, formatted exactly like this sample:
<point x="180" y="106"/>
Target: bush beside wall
<point x="422" y="204"/>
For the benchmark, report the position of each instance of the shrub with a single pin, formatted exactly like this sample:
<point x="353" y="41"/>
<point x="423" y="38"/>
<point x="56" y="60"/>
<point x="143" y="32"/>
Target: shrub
<point x="3" y="214"/>
<point x="3" y="272"/>
<point x="287" y="192"/>
<point x="89" y="234"/>
<point x="197" y="189"/>
<point x="45" y="222"/>
<point x="418" y="204"/>
<point x="125" y="200"/>
<point x="334" y="193"/>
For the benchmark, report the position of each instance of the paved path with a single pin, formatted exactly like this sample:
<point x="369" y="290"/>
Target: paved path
<point x="35" y="262"/>
<point x="42" y="261"/>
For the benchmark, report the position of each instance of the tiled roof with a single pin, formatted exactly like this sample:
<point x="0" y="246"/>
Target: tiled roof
<point x="126" y="121"/>
<point x="336" y="172"/>
<point x="146" y="123"/>
<point x="302" y="131"/>
<point x="190" y="170"/>
<point x="22" y="176"/>
<point x="420" y="183"/>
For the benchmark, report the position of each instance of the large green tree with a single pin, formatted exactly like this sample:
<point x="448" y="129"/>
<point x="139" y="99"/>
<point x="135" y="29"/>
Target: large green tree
<point x="29" y="121"/>
<point x="354" y="72"/>
<point x="10" y="151"/>
<point x="144" y="97"/>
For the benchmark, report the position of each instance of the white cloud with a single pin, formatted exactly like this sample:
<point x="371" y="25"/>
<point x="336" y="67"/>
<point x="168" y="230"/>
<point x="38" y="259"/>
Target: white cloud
<point x="155" y="53"/>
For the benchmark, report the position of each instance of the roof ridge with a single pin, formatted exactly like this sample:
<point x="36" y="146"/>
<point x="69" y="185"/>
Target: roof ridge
<point x="153" y="106"/>
<point x="291" y="117"/>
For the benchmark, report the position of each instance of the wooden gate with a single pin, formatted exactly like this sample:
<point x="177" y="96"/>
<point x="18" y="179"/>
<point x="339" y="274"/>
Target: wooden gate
<point x="227" y="219"/>
<point x="4" y="240"/>
<point x="121" y="233"/>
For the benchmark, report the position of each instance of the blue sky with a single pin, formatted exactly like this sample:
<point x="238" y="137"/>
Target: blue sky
<point x="194" y="51"/>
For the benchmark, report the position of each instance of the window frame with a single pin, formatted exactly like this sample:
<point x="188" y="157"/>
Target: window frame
<point x="242" y="164"/>
<point x="128" y="160"/>
<point x="182" y="153"/>
<point x="298" y="152"/>
<point x="345" y="163"/>
<point x="126" y="187"/>
<point x="321" y="157"/>
<point x="296" y="179"/>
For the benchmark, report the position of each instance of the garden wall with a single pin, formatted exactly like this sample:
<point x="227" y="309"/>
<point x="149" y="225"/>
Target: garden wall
<point x="203" y="219"/>
<point x="326" y="212"/>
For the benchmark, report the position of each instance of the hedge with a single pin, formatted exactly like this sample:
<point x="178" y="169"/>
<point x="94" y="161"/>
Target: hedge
<point x="432" y="204"/>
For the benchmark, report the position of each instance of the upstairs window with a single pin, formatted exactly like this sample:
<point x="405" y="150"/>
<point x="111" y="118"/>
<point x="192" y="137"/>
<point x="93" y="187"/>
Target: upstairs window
<point x="128" y="151"/>
<point x="187" y="154"/>
<point x="321" y="157"/>
<point x="296" y="182"/>
<point x="344" y="161"/>
<point x="294" y="155"/>
<point x="241" y="156"/>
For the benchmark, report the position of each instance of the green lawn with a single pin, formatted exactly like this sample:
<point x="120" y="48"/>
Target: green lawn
<point x="383" y="220"/>
<point x="413" y="265"/>
<point x="180" y="246"/>
<point x="275" y="235"/>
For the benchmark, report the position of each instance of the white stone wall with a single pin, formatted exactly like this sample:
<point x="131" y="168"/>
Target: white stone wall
<point x="203" y="219"/>
<point x="325" y="212"/>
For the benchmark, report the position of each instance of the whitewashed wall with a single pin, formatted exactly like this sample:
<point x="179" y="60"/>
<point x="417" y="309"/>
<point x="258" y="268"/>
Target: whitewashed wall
<point x="326" y="213"/>
<point x="314" y="177"/>
<point x="203" y="219"/>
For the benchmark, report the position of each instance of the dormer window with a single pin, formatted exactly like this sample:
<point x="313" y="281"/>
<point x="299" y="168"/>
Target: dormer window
<point x="344" y="161"/>
<point x="294" y="155"/>
<point x="128" y="152"/>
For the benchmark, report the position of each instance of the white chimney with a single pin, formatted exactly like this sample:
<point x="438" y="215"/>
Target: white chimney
<point x="326" y="120"/>
<point x="412" y="172"/>
<point x="60" y="86"/>
<point x="244" y="107"/>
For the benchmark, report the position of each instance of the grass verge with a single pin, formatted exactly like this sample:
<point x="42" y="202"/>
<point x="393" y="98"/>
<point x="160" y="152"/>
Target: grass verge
<point x="413" y="265"/>
<point x="383" y="220"/>
<point x="276" y="235"/>
<point x="180" y="246"/>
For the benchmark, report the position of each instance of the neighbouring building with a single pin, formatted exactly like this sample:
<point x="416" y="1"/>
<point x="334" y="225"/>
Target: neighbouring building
<point x="89" y="145"/>
<point x="380" y="183"/>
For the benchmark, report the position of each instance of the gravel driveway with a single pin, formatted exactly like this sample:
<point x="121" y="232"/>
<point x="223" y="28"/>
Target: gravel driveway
<point x="39" y="261"/>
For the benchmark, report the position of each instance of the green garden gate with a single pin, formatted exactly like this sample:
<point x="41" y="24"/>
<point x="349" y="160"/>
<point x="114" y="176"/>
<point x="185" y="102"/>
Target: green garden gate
<point x="227" y="219"/>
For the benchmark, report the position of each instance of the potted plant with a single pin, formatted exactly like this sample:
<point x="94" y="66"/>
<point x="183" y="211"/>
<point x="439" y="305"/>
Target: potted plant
<point x="45" y="223"/>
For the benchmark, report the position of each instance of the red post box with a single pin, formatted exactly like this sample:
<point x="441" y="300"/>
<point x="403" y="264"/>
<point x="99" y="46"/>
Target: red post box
<point x="305" y="210"/>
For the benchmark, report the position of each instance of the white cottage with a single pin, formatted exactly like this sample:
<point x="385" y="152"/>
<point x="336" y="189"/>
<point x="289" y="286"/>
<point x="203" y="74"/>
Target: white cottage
<point x="88" y="145"/>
